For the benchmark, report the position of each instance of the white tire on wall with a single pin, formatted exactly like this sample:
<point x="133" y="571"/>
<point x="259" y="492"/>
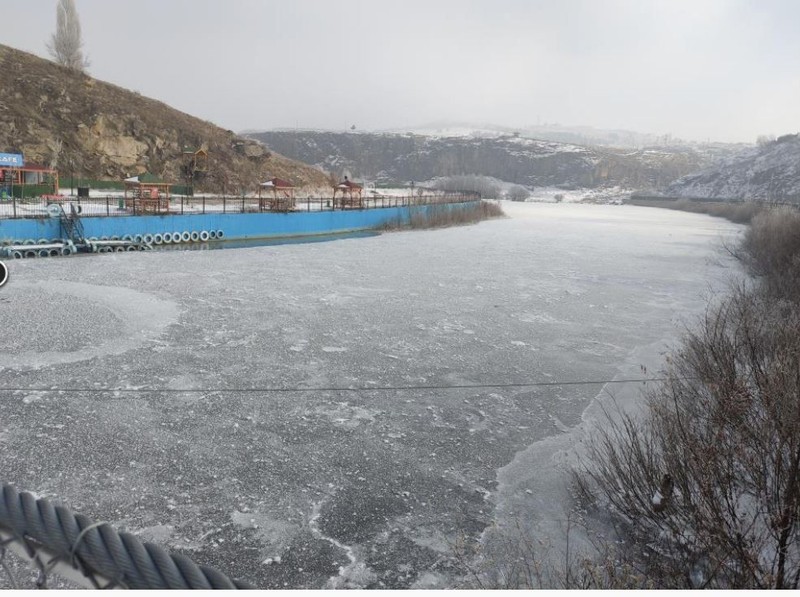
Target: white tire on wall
<point x="16" y="254"/>
<point x="204" y="236"/>
<point x="220" y="233"/>
<point x="195" y="236"/>
<point x="212" y="234"/>
<point x="166" y="238"/>
<point x="186" y="236"/>
<point x="176" y="237"/>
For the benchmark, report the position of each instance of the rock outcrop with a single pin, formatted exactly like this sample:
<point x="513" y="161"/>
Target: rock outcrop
<point x="399" y="158"/>
<point x="66" y="119"/>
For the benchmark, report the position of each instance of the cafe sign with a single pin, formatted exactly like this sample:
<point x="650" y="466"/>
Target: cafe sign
<point x="14" y="160"/>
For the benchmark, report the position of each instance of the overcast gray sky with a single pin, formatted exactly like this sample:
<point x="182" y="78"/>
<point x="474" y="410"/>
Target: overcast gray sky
<point x="725" y="70"/>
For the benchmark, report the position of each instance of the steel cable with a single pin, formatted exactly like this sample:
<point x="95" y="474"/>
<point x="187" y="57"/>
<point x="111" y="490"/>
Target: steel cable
<point x="99" y="549"/>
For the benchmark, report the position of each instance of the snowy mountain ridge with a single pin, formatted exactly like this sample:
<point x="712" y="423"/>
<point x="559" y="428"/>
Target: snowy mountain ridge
<point x="770" y="172"/>
<point x="392" y="158"/>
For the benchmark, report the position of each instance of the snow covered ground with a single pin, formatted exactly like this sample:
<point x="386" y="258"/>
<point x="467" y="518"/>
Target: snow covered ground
<point x="613" y="195"/>
<point x="260" y="422"/>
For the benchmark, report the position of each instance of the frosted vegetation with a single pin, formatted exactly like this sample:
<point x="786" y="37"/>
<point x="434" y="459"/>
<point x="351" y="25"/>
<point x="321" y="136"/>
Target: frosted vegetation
<point x="704" y="487"/>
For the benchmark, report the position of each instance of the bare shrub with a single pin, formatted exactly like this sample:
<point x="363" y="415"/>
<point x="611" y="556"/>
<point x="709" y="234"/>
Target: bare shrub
<point x="442" y="216"/>
<point x="771" y="250"/>
<point x="517" y="193"/>
<point x="739" y="213"/>
<point x="438" y="217"/>
<point x="707" y="487"/>
<point x="516" y="560"/>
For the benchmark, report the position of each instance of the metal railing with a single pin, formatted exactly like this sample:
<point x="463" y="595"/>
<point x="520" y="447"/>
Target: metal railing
<point x="108" y="206"/>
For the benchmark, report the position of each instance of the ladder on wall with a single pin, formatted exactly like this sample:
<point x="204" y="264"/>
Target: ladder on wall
<point x="71" y="224"/>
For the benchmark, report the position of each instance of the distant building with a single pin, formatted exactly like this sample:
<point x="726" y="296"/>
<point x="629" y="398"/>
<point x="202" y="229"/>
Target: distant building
<point x="38" y="179"/>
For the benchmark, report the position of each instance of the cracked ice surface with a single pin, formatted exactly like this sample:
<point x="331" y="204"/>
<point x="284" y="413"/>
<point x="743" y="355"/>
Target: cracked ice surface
<point x="327" y="487"/>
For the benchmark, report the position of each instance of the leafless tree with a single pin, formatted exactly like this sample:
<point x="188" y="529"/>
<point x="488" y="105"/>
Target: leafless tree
<point x="55" y="152"/>
<point x="66" y="45"/>
<point x="764" y="140"/>
<point x="517" y="193"/>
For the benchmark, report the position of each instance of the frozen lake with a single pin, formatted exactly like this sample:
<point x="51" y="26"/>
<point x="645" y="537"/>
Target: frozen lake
<point x="329" y="487"/>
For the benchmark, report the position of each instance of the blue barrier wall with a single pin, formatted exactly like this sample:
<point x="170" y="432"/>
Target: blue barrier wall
<point x="235" y="226"/>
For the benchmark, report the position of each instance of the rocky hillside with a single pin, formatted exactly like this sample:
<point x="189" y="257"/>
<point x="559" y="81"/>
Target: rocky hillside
<point x="399" y="158"/>
<point x="58" y="117"/>
<point x="770" y="172"/>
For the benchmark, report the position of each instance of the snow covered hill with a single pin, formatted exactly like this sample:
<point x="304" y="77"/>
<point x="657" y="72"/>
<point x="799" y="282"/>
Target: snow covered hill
<point x="770" y="172"/>
<point x="399" y="158"/>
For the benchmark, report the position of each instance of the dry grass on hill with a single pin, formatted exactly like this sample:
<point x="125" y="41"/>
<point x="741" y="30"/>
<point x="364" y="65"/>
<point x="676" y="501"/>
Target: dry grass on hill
<point x="97" y="130"/>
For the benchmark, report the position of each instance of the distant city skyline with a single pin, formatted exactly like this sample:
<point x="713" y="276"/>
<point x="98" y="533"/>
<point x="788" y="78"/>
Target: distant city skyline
<point x="719" y="70"/>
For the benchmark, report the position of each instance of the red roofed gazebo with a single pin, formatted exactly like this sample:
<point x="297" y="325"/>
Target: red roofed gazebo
<point x="147" y="193"/>
<point x="351" y="194"/>
<point x="282" y="195"/>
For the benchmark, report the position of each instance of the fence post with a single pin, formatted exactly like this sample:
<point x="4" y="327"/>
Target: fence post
<point x="242" y="204"/>
<point x="108" y="205"/>
<point x="223" y="204"/>
<point x="204" y="204"/>
<point x="13" y="203"/>
<point x="181" y="204"/>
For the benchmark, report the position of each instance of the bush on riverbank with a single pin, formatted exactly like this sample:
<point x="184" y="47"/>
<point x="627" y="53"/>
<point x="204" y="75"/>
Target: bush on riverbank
<point x="771" y="251"/>
<point x="703" y="489"/>
<point x="447" y="216"/>
<point x="739" y="213"/>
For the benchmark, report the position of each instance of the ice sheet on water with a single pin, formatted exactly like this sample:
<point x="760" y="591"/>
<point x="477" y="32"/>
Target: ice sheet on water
<point x="401" y="305"/>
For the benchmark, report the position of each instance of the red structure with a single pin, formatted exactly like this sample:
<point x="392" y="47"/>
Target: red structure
<point x="280" y="195"/>
<point x="351" y="194"/>
<point x="145" y="193"/>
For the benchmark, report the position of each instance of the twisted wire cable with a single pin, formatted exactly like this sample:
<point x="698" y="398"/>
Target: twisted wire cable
<point x="99" y="549"/>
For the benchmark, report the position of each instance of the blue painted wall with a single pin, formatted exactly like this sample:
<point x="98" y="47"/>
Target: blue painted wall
<point x="235" y="226"/>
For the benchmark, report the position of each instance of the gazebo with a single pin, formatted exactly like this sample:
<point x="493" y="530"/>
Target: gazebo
<point x="351" y="194"/>
<point x="146" y="193"/>
<point x="279" y="195"/>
